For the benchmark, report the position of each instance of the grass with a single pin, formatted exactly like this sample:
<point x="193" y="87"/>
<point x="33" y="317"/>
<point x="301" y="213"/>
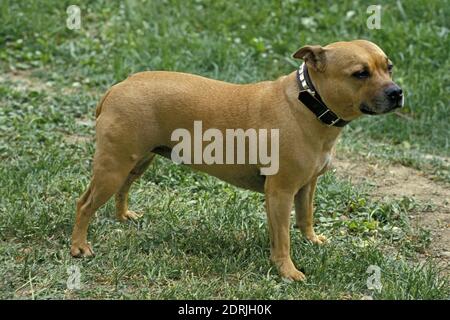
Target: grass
<point x="201" y="238"/>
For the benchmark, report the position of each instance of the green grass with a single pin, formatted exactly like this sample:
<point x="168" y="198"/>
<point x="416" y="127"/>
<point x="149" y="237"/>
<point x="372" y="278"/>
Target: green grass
<point x="201" y="238"/>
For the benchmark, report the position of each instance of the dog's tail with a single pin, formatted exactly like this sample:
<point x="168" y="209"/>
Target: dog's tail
<point x="98" y="110"/>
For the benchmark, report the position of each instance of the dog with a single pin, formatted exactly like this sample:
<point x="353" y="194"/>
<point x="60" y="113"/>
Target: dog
<point x="336" y="84"/>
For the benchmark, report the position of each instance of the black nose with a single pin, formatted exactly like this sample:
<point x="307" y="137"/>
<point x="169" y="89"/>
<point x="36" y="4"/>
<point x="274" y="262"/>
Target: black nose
<point x="394" y="92"/>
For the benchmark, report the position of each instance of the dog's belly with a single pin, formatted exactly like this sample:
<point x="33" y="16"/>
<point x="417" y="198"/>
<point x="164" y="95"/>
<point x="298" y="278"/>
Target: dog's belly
<point x="242" y="176"/>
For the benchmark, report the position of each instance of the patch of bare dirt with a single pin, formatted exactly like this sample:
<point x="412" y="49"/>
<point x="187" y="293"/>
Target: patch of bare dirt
<point x="396" y="181"/>
<point x="24" y="81"/>
<point x="77" y="139"/>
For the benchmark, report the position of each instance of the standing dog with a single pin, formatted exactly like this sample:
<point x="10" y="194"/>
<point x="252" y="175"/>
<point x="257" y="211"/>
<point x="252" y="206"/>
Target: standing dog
<point x="135" y="119"/>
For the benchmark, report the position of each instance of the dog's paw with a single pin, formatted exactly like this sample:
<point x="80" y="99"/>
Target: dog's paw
<point x="289" y="272"/>
<point x="292" y="274"/>
<point x="317" y="239"/>
<point x="129" y="215"/>
<point x="81" y="250"/>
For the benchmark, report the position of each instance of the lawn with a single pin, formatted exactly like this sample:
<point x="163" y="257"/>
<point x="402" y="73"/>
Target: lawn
<point x="200" y="238"/>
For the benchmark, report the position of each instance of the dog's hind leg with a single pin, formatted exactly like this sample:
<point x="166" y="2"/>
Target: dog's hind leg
<point x="122" y="212"/>
<point x="110" y="172"/>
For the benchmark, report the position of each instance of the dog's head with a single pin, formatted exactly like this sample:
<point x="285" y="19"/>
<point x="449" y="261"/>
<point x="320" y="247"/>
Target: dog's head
<point x="353" y="78"/>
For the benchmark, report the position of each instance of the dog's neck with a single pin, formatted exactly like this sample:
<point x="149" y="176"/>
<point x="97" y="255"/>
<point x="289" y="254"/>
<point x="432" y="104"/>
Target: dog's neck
<point x="319" y="132"/>
<point x="311" y="99"/>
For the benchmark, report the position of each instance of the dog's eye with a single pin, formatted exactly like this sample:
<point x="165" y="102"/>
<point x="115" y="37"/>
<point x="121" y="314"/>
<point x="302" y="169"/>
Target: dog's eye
<point x="363" y="74"/>
<point x="390" y="67"/>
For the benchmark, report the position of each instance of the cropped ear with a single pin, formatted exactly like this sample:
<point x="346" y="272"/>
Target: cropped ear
<point x="314" y="57"/>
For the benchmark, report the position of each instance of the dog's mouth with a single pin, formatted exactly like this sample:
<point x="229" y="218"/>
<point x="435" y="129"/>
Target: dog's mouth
<point x="366" y="110"/>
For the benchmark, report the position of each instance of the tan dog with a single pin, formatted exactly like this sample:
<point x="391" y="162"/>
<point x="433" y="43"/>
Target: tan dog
<point x="136" y="117"/>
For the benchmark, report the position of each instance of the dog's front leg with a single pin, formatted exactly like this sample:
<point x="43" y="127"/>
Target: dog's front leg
<point x="304" y="212"/>
<point x="278" y="206"/>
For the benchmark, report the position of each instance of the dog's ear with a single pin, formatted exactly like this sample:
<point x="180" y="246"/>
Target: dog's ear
<point x="314" y="57"/>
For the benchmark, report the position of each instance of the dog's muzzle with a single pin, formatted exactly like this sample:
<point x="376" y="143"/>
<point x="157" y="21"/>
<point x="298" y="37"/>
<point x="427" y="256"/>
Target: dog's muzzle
<point x="391" y="98"/>
<point x="395" y="95"/>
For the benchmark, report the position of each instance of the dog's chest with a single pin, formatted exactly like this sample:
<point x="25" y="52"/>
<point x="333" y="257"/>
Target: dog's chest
<point x="325" y="163"/>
